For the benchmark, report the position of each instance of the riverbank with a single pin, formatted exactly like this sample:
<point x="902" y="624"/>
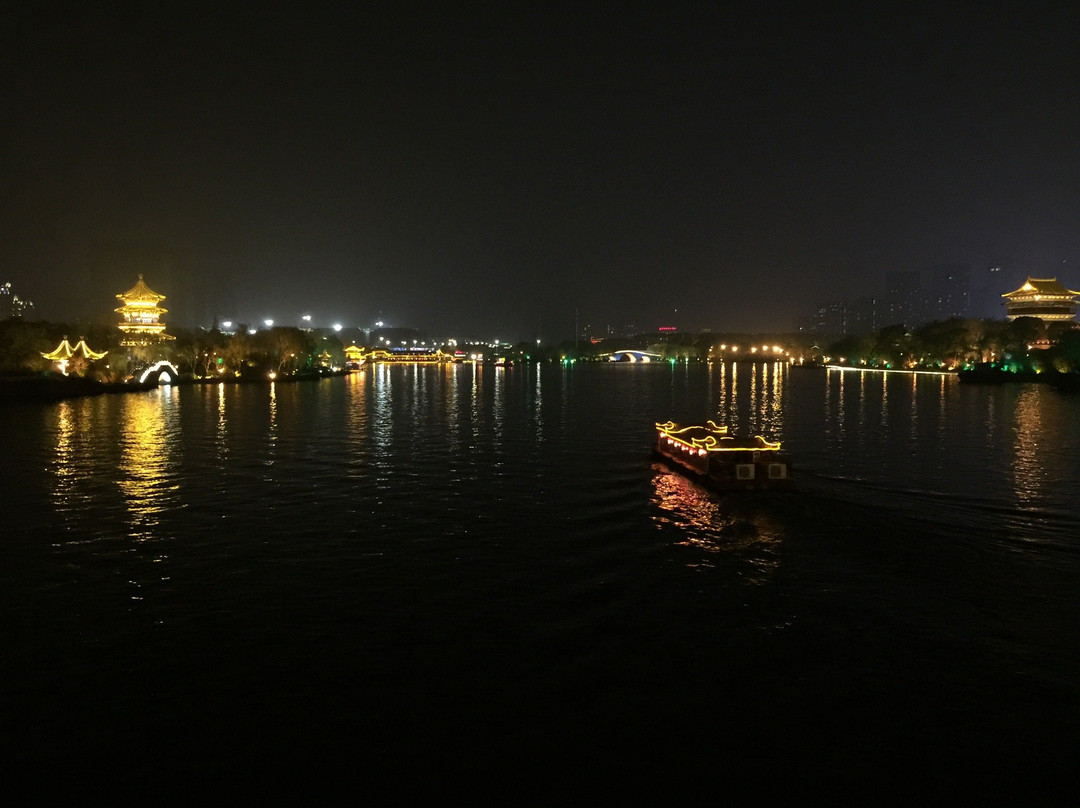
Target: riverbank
<point x="58" y="388"/>
<point x="985" y="374"/>
<point x="46" y="388"/>
<point x="908" y="371"/>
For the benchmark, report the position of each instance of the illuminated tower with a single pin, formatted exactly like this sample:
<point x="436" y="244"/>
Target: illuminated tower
<point x="140" y="314"/>
<point x="1044" y="298"/>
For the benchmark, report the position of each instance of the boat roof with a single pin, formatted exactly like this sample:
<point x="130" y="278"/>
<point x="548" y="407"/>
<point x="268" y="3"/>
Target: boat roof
<point x="714" y="438"/>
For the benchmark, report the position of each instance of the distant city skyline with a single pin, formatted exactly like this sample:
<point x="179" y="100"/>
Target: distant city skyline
<point x="912" y="298"/>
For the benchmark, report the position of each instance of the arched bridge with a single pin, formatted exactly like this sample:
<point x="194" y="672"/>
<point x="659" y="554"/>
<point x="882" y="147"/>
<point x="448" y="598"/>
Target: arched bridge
<point x="631" y="355"/>
<point x="163" y="373"/>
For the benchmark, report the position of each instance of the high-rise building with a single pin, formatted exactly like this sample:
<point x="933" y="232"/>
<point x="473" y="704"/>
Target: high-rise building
<point x="13" y="307"/>
<point x="950" y="291"/>
<point x="903" y="299"/>
<point x="833" y="318"/>
<point x="863" y="316"/>
<point x="986" y="292"/>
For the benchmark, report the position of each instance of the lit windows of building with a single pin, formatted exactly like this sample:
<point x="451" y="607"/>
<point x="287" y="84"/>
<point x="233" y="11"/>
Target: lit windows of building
<point x="13" y="307"/>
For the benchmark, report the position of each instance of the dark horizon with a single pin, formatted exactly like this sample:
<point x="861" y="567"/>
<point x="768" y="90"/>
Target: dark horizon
<point x="500" y="172"/>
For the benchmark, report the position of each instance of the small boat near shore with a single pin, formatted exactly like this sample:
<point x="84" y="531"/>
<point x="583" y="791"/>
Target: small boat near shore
<point x="709" y="454"/>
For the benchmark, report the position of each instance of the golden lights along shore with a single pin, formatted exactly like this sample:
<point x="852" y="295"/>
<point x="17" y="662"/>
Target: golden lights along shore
<point x="143" y="334"/>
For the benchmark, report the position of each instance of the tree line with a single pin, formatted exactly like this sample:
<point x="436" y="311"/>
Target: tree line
<point x="1025" y="343"/>
<point x="193" y="351"/>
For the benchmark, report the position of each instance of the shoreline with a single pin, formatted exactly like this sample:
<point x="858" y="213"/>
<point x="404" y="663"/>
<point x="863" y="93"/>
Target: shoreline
<point x="46" y="389"/>
<point x="1065" y="382"/>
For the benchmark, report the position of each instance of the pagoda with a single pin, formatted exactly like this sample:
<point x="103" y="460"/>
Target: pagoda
<point x="141" y="313"/>
<point x="1044" y="298"/>
<point x="65" y="352"/>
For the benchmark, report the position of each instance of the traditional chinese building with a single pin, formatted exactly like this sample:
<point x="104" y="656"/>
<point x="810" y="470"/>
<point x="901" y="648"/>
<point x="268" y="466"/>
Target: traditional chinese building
<point x="64" y="353"/>
<point x="354" y="357"/>
<point x="1044" y="298"/>
<point x="141" y="314"/>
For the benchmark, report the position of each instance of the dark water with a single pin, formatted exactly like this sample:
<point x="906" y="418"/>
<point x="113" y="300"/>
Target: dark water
<point x="462" y="575"/>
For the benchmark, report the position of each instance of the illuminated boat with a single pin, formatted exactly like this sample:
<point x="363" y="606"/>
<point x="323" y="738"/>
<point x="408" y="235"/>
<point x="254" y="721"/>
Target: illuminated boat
<point x="708" y="453"/>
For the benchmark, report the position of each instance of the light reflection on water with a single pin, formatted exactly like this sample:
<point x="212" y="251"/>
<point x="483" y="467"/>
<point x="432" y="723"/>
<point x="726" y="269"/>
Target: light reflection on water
<point x="921" y="442"/>
<point x="221" y="434"/>
<point x="382" y="427"/>
<point x="65" y="491"/>
<point x="719" y="526"/>
<point x="780" y="371"/>
<point x="271" y="432"/>
<point x="538" y="406"/>
<point x="884" y="400"/>
<point x="1027" y="472"/>
<point x="356" y="423"/>
<point x="498" y="406"/>
<point x="151" y="453"/>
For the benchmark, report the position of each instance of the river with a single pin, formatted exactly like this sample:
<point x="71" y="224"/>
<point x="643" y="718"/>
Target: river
<point x="472" y="571"/>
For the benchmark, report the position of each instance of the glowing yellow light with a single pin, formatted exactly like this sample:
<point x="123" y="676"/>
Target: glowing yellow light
<point x="701" y="440"/>
<point x="140" y="314"/>
<point x="65" y="351"/>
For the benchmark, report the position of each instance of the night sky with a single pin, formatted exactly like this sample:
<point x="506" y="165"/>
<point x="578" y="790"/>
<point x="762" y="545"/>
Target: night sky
<point x="491" y="171"/>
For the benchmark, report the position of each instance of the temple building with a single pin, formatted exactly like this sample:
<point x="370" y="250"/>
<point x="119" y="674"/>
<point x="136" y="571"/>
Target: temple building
<point x="141" y="314"/>
<point x="1044" y="298"/>
<point x="64" y="353"/>
<point x="354" y="357"/>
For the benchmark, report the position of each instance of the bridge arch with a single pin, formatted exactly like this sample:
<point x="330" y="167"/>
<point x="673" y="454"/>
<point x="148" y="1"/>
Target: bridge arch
<point x="164" y="372"/>
<point x="632" y="355"/>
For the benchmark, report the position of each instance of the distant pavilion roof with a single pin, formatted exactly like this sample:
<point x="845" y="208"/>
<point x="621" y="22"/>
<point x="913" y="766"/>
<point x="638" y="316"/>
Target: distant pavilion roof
<point x="1041" y="286"/>
<point x="140" y="292"/>
<point x="1044" y="298"/>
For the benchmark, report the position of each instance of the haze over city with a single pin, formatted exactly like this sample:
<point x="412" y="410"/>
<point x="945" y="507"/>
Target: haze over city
<point x="503" y="171"/>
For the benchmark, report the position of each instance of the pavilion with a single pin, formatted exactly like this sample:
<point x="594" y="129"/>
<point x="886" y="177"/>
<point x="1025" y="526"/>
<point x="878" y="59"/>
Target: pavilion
<point x="64" y="353"/>
<point x="1044" y="298"/>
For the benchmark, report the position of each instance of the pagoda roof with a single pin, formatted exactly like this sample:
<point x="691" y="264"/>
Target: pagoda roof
<point x="141" y="311"/>
<point x="1041" y="286"/>
<point x="140" y="291"/>
<point x="65" y="351"/>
